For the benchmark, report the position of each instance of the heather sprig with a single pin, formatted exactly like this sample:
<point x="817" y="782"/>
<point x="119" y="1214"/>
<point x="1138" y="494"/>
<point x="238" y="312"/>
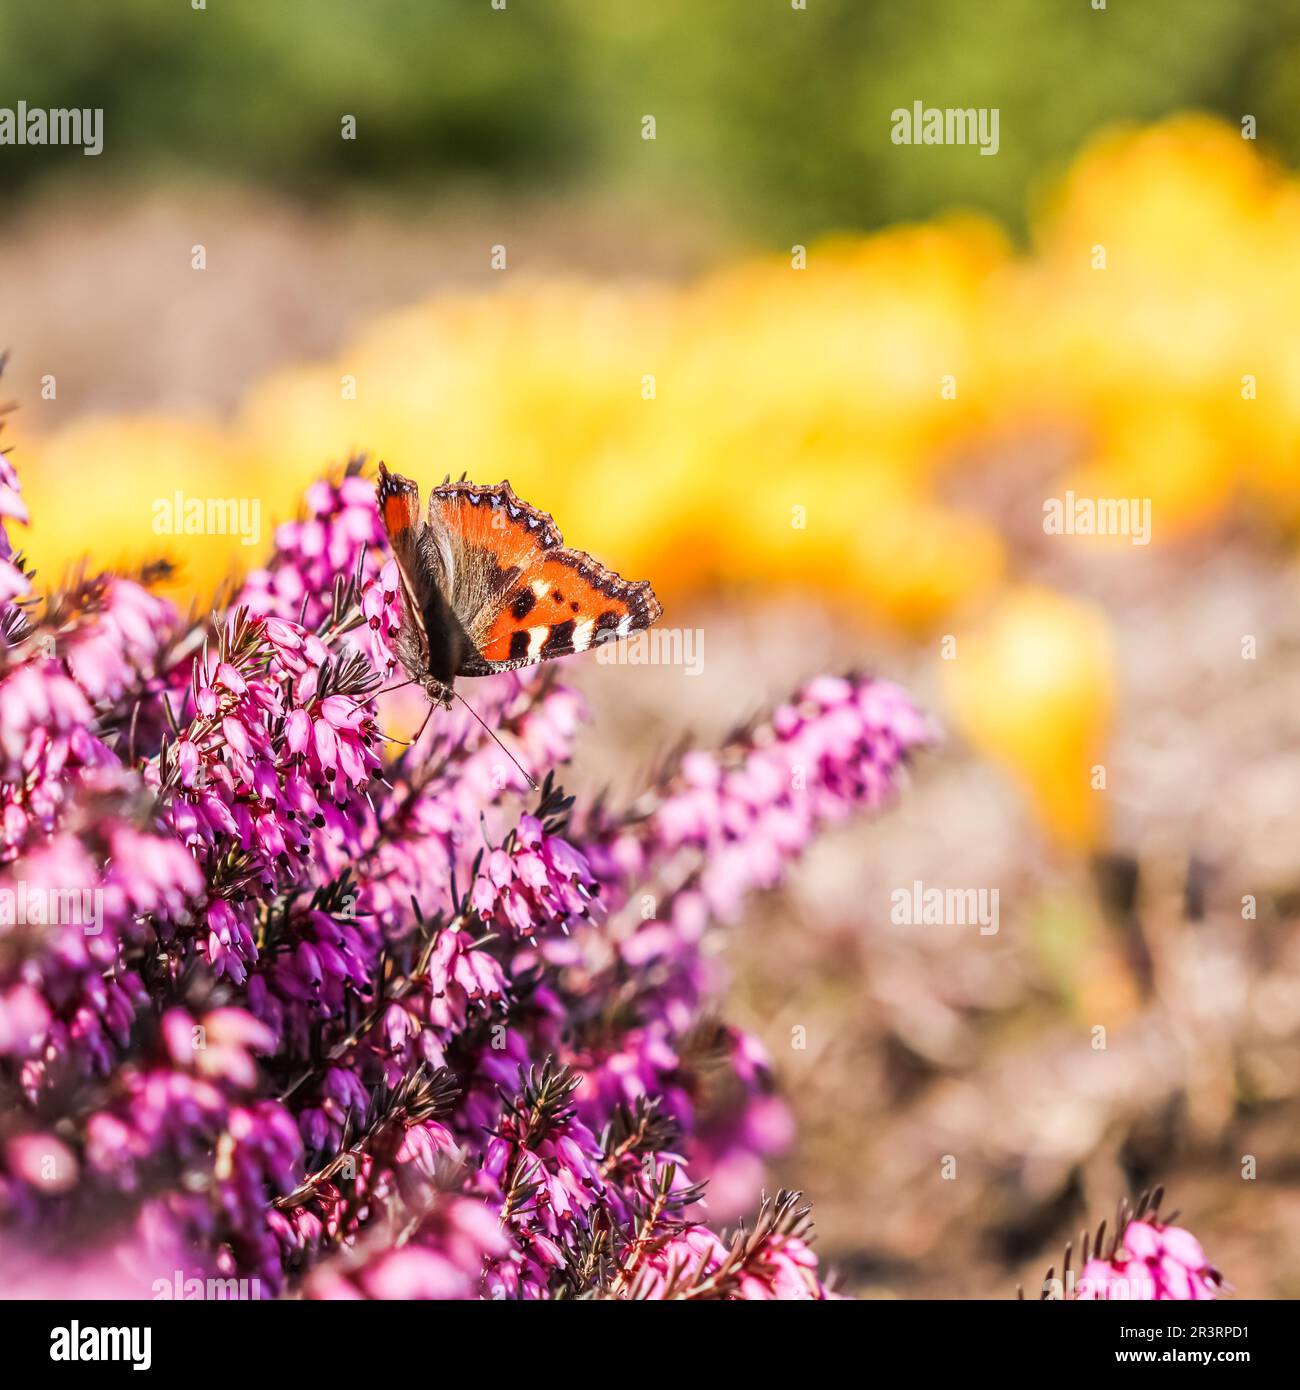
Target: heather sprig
<point x="1145" y="1258"/>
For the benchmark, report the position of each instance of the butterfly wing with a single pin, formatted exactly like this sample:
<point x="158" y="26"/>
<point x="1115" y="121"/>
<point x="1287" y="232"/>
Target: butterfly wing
<point x="430" y="642"/>
<point x="517" y="593"/>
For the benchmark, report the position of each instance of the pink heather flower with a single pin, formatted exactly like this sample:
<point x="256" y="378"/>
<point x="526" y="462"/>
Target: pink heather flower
<point x="13" y="582"/>
<point x="774" y="1261"/>
<point x="1151" y="1262"/>
<point x="836" y="747"/>
<point x="723" y="825"/>
<point x="535" y="882"/>
<point x="219" y="1045"/>
<point x="443" y="1259"/>
<point x="46" y="749"/>
<point x="117" y="648"/>
<point x="24" y="1019"/>
<point x="43" y="1162"/>
<point x="126" y="1263"/>
<point x="1148" y="1260"/>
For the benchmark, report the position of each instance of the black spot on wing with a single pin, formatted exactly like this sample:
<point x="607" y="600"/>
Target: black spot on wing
<point x="523" y="605"/>
<point x="560" y="639"/>
<point x="518" y="646"/>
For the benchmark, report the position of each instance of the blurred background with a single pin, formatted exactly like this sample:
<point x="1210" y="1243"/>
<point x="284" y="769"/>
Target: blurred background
<point x="818" y="387"/>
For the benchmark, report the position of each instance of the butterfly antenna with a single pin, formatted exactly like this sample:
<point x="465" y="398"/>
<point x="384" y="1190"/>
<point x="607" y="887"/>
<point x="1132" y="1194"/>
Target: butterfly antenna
<point x="497" y="741"/>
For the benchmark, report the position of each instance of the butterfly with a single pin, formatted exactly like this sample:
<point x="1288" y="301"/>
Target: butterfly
<point x="488" y="585"/>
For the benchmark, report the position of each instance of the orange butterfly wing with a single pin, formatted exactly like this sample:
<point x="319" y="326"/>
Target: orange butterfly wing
<point x="520" y="595"/>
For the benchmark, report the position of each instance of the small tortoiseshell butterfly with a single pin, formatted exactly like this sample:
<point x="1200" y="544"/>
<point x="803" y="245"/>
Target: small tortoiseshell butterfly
<point x="487" y="585"/>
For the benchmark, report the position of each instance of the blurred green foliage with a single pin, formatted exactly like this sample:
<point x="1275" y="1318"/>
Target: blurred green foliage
<point x="780" y="114"/>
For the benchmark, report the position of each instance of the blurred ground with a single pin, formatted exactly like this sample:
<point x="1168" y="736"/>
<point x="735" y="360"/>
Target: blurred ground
<point x="928" y="1041"/>
<point x="97" y="287"/>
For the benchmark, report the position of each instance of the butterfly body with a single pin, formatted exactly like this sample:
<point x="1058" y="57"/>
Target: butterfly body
<point x="488" y="585"/>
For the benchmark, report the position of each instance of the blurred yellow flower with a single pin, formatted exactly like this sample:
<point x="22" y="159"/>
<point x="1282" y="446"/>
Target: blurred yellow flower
<point x="109" y="487"/>
<point x="1161" y="306"/>
<point x="1032" y="687"/>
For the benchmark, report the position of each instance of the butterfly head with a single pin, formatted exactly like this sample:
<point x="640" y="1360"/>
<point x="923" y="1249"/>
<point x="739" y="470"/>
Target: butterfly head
<point x="438" y="692"/>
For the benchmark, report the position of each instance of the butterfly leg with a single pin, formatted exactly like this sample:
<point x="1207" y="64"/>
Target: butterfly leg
<point x="410" y="743"/>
